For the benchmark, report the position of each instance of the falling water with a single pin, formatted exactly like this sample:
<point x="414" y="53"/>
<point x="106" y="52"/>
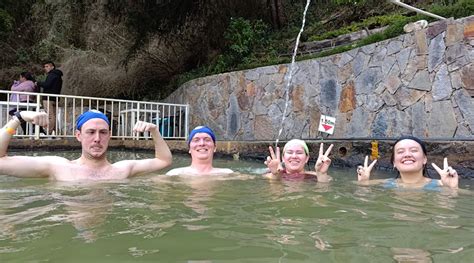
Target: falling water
<point x="290" y="73"/>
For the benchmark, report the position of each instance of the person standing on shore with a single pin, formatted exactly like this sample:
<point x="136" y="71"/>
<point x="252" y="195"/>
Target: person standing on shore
<point x="52" y="85"/>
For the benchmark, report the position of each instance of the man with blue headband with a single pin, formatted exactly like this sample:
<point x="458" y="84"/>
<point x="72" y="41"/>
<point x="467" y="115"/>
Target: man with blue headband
<point x="93" y="132"/>
<point x="202" y="145"/>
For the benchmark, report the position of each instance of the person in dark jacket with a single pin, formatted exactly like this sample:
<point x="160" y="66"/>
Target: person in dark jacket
<point x="52" y="85"/>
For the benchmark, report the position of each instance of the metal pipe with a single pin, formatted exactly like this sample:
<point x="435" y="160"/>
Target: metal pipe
<point x="409" y="7"/>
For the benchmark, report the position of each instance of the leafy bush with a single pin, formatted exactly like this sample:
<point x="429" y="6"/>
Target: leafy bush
<point x="243" y="37"/>
<point x="46" y="50"/>
<point x="6" y="23"/>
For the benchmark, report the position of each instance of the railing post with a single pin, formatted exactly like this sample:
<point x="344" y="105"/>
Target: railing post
<point x="126" y="118"/>
<point x="137" y="136"/>
<point x="186" y="123"/>
<point x="38" y="105"/>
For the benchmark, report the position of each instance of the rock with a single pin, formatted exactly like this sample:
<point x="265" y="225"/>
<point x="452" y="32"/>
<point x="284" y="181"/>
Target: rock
<point x="442" y="84"/>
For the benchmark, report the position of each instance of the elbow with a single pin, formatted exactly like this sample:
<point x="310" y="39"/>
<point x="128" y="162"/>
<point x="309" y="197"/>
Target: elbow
<point x="168" y="160"/>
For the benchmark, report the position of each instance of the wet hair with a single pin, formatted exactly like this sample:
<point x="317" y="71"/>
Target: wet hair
<point x="49" y="62"/>
<point x="423" y="148"/>
<point x="27" y="75"/>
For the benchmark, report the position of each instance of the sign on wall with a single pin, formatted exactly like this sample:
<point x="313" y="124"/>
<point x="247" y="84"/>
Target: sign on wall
<point x="326" y="124"/>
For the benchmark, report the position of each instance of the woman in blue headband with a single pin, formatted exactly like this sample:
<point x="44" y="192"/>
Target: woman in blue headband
<point x="202" y="145"/>
<point x="295" y="157"/>
<point x="409" y="159"/>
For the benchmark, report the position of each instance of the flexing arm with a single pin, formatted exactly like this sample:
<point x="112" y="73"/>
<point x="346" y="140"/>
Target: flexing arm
<point x="162" y="158"/>
<point x="22" y="166"/>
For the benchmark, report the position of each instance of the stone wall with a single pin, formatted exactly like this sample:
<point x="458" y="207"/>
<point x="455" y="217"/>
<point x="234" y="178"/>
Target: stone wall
<point x="420" y="83"/>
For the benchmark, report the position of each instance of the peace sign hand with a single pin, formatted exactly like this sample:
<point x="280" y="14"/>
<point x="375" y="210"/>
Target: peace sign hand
<point x="363" y="172"/>
<point x="323" y="162"/>
<point x="273" y="161"/>
<point x="448" y="175"/>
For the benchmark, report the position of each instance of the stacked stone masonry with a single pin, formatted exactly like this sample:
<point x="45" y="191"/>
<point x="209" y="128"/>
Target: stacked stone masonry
<point x="420" y="83"/>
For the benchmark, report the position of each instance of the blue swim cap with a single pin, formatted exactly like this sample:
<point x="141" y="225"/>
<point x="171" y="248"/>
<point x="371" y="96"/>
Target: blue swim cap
<point x="91" y="114"/>
<point x="203" y="129"/>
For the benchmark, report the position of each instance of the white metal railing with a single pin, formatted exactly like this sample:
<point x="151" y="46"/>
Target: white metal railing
<point x="171" y="119"/>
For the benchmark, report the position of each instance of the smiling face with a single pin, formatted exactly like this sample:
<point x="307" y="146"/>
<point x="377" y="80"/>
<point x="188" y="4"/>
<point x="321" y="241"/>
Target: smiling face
<point x="94" y="137"/>
<point x="202" y="147"/>
<point x="295" y="158"/>
<point x="408" y="156"/>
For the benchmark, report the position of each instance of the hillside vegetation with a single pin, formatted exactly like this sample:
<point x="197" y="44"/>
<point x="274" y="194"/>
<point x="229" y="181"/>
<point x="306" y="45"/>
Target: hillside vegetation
<point x="146" y="49"/>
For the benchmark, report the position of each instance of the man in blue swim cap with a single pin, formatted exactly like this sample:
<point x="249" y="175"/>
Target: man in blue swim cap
<point x="202" y="145"/>
<point x="93" y="132"/>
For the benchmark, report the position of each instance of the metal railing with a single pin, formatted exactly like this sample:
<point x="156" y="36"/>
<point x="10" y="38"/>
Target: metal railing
<point x="171" y="119"/>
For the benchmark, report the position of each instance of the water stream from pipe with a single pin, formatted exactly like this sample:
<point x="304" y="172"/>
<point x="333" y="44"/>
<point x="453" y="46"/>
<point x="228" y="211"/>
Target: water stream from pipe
<point x="290" y="74"/>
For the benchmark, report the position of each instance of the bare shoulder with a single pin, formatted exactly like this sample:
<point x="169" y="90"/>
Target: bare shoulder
<point x="36" y="160"/>
<point x="55" y="159"/>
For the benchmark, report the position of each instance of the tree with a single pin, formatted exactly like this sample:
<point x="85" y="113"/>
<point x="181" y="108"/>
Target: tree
<point x="278" y="17"/>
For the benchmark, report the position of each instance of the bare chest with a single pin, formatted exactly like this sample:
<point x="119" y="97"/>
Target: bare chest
<point x="76" y="172"/>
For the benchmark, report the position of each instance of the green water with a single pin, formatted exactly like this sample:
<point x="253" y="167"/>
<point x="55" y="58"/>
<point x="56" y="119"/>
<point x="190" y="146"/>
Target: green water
<point x="233" y="219"/>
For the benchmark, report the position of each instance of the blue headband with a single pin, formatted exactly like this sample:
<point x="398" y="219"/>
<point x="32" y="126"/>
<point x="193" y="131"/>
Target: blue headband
<point x="91" y="114"/>
<point x="201" y="129"/>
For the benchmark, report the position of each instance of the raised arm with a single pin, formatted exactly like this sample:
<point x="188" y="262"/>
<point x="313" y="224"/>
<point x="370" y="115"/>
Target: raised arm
<point x="162" y="158"/>
<point x="449" y="176"/>
<point x="363" y="172"/>
<point x="22" y="166"/>
<point x="273" y="162"/>
<point x="322" y="164"/>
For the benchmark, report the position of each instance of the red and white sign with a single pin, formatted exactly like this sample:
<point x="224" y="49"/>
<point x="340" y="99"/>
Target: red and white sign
<point x="326" y="124"/>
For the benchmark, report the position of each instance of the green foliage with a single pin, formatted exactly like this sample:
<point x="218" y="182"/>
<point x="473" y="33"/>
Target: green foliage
<point x="462" y="8"/>
<point x="6" y="23"/>
<point x="23" y="55"/>
<point x="368" y="23"/>
<point x="46" y="50"/>
<point x="243" y="37"/>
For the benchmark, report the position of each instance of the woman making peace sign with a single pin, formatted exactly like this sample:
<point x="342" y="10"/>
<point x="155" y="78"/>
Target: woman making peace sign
<point x="409" y="158"/>
<point x="295" y="157"/>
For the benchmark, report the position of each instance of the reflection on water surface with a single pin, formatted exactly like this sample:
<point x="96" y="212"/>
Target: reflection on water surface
<point x="230" y="219"/>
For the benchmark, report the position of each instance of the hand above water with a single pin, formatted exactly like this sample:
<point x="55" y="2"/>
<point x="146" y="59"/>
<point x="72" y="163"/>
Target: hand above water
<point x="322" y="164"/>
<point x="38" y="118"/>
<point x="273" y="161"/>
<point x="448" y="175"/>
<point x="142" y="126"/>
<point x="363" y="172"/>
